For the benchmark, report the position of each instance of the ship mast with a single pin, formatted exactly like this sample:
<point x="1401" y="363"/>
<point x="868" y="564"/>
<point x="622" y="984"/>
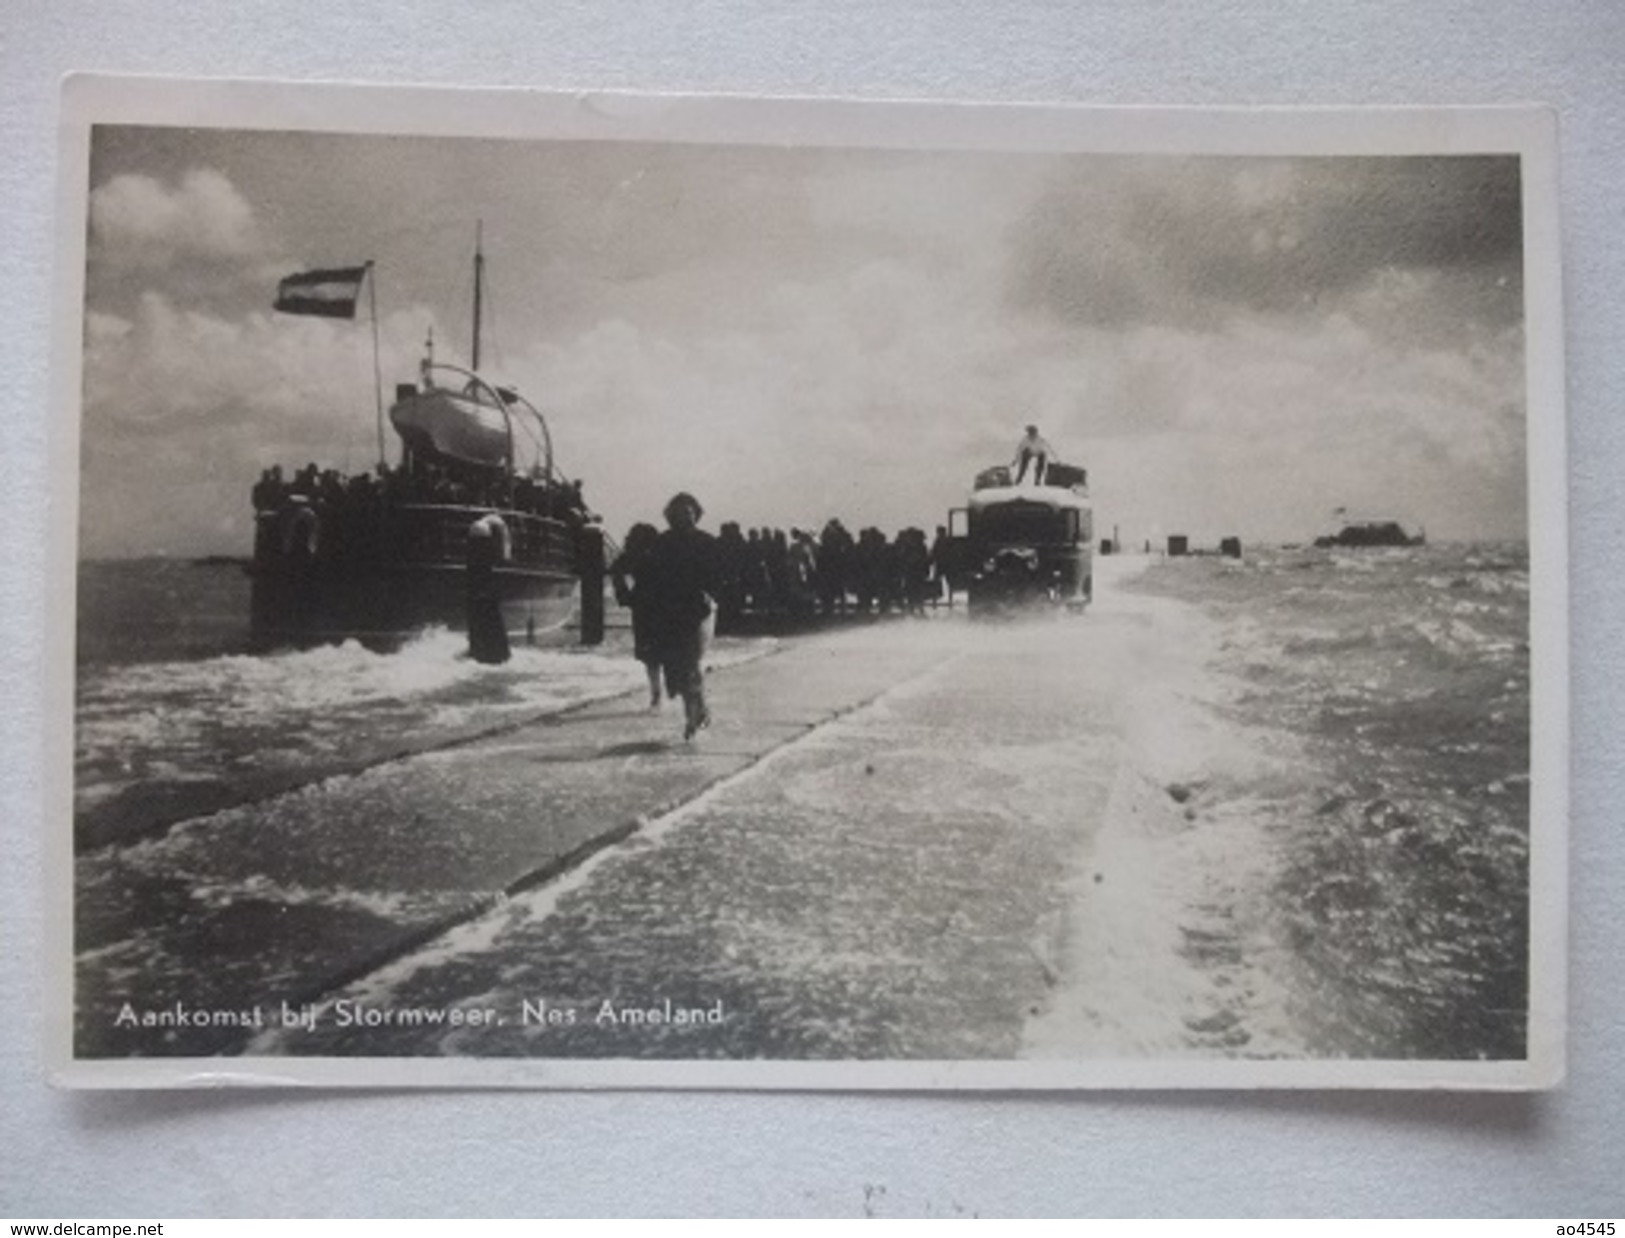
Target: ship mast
<point x="479" y="273"/>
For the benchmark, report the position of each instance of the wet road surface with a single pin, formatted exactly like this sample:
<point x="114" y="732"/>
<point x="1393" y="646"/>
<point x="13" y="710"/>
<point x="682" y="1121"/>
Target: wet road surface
<point x="882" y="849"/>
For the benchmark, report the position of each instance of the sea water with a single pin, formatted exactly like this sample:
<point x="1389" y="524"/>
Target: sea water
<point x="174" y="718"/>
<point x="1396" y="876"/>
<point x="1399" y="840"/>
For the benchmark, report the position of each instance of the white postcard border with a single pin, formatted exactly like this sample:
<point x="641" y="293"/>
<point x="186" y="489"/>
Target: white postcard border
<point x="1527" y="131"/>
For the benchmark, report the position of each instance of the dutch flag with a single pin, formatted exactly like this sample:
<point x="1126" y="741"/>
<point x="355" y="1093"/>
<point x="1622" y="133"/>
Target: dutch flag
<point x="326" y="294"/>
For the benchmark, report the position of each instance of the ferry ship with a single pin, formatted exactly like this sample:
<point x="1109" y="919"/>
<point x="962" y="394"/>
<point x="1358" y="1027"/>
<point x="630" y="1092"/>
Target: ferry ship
<point x="381" y="556"/>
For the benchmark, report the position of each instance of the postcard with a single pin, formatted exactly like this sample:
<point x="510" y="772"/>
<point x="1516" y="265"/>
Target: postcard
<point x="613" y="591"/>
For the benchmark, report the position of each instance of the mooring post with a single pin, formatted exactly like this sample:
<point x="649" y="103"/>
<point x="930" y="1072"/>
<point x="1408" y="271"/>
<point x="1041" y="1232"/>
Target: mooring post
<point x="590" y="563"/>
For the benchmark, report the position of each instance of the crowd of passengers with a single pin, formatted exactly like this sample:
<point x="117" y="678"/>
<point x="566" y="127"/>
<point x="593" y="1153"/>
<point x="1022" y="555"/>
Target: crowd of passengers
<point x="331" y="492"/>
<point x="771" y="572"/>
<point x="327" y="514"/>
<point x="761" y="572"/>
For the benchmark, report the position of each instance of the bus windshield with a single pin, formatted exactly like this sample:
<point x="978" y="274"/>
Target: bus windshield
<point x="1023" y="523"/>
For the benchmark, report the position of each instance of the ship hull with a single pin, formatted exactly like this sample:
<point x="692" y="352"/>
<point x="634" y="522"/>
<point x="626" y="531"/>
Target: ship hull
<point x="384" y="605"/>
<point x="399" y="576"/>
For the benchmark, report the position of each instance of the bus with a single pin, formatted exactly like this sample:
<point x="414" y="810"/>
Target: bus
<point x="1019" y="546"/>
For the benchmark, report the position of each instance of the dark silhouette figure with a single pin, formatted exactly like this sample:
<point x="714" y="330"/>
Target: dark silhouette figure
<point x="914" y="564"/>
<point x="941" y="566"/>
<point x="629" y="575"/>
<point x="733" y="565"/>
<point x="802" y="573"/>
<point x="1031" y="450"/>
<point x="680" y="579"/>
<point x="869" y="564"/>
<point x="835" y="548"/>
<point x="487" y="633"/>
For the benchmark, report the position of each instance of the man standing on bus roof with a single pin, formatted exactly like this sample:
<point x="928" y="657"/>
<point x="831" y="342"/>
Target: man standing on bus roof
<point x="1032" y="448"/>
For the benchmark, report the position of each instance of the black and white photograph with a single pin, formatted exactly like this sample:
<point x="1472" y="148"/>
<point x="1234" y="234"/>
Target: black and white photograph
<point x="593" y="591"/>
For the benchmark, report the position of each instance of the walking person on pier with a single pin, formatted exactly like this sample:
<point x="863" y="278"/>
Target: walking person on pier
<point x="680" y="579"/>
<point x="941" y="581"/>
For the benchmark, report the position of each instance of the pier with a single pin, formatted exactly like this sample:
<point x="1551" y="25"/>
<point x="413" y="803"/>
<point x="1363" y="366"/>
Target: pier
<point x="877" y="849"/>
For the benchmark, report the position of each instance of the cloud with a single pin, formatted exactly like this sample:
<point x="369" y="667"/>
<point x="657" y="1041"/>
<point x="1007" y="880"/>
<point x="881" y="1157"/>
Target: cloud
<point x="1192" y="240"/>
<point x="875" y="389"/>
<point x="183" y="408"/>
<point x="860" y="393"/>
<point x="139" y="221"/>
<point x="1234" y="345"/>
<point x="1275" y="421"/>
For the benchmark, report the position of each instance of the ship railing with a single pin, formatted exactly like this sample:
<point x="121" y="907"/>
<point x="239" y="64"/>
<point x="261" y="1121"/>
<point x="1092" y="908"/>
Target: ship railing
<point x="439" y="533"/>
<point x="404" y="532"/>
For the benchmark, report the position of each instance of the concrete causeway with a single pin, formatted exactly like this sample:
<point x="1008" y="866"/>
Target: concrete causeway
<point x="234" y="913"/>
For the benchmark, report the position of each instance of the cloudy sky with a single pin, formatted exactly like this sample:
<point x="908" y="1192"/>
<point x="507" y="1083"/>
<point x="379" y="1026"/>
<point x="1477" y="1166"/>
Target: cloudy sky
<point x="1231" y="346"/>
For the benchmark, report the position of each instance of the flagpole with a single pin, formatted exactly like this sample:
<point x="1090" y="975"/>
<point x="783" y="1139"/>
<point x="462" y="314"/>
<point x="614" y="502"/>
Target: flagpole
<point x="377" y="371"/>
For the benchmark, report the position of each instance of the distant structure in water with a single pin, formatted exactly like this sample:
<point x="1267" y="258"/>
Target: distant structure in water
<point x="1369" y="531"/>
